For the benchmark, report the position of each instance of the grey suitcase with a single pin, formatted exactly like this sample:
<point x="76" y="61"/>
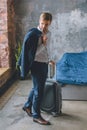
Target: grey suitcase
<point x="52" y="97"/>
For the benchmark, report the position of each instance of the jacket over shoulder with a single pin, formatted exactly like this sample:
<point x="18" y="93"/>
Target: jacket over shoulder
<point x="28" y="51"/>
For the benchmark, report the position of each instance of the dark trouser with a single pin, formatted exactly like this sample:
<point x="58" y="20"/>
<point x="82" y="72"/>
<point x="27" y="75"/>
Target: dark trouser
<point x="39" y="74"/>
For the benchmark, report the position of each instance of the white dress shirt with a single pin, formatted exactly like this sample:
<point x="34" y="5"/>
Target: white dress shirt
<point x="43" y="51"/>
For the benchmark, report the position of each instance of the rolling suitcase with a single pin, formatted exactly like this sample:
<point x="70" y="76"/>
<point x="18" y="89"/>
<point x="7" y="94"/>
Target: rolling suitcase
<point x="52" y="97"/>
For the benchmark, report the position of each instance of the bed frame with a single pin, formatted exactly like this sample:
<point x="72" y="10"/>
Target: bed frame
<point x="74" y="92"/>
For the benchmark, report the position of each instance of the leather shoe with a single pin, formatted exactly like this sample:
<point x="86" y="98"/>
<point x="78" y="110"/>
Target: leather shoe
<point x="41" y="121"/>
<point x="28" y="111"/>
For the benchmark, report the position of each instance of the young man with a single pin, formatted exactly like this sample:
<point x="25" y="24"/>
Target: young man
<point x="35" y="56"/>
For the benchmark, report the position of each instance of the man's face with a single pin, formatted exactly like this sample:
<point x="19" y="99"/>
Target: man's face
<point x="44" y="24"/>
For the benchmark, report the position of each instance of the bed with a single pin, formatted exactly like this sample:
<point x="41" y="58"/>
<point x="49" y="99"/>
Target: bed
<point x="71" y="73"/>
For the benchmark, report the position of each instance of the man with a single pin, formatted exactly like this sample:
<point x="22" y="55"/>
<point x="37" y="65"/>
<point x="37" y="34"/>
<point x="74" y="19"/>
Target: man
<point x="35" y="57"/>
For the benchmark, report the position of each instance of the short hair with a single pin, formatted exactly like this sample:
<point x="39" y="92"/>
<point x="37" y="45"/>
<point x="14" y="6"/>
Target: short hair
<point x="46" y="16"/>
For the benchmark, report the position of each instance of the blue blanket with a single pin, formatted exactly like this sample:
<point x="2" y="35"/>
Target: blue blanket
<point x="72" y="68"/>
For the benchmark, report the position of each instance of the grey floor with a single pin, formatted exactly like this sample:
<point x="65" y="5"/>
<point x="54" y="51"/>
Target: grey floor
<point x="74" y="116"/>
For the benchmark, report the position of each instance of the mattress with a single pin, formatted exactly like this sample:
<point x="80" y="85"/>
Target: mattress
<point x="72" y="69"/>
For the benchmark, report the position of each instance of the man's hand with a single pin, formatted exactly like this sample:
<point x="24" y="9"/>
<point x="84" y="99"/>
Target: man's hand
<point x="52" y="62"/>
<point x="44" y="39"/>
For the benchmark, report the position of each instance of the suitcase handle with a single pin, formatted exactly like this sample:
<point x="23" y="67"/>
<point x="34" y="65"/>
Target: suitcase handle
<point x="51" y="72"/>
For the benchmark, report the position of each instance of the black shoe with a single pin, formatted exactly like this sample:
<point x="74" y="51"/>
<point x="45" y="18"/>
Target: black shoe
<point x="28" y="111"/>
<point x="41" y="121"/>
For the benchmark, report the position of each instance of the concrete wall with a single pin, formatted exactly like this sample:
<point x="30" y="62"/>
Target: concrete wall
<point x="70" y="34"/>
<point x="69" y="26"/>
